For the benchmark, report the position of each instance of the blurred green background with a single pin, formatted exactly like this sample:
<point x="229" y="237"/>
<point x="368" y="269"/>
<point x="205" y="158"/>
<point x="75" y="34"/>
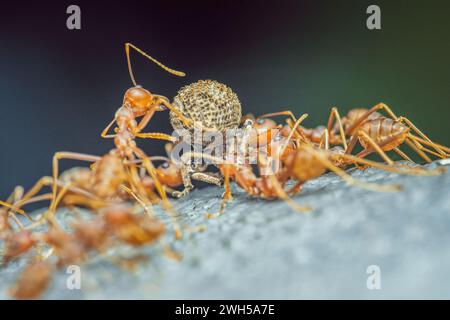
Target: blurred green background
<point x="339" y="62"/>
<point x="59" y="88"/>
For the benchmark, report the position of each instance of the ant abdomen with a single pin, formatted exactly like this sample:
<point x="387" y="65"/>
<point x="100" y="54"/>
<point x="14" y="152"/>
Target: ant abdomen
<point x="354" y="115"/>
<point x="303" y="165"/>
<point x="383" y="129"/>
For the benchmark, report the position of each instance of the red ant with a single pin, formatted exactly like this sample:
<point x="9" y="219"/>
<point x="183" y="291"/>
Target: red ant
<point x="376" y="133"/>
<point x="33" y="280"/>
<point x="301" y="162"/>
<point x="113" y="222"/>
<point x="107" y="182"/>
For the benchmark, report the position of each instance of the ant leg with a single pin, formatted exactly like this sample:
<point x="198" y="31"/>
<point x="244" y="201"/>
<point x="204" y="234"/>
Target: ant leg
<point x="446" y="149"/>
<point x="10" y="204"/>
<point x="418" y="151"/>
<point x="351" y="144"/>
<point x="421" y="147"/>
<point x="395" y="168"/>
<point x="55" y="202"/>
<point x="150" y="113"/>
<point x="187" y="122"/>
<point x="227" y="196"/>
<point x="325" y="139"/>
<point x="30" y="196"/>
<point x="148" y="165"/>
<point x="16" y="195"/>
<point x="298" y="133"/>
<point x="279" y="113"/>
<point x="296" y="188"/>
<point x="291" y="118"/>
<point x="72" y="200"/>
<point x="12" y="211"/>
<point x="335" y="114"/>
<point x="293" y="131"/>
<point x="278" y="188"/>
<point x="135" y="176"/>
<point x="16" y="208"/>
<point x="105" y="131"/>
<point x="145" y="120"/>
<point x="151" y="135"/>
<point x="42" y="197"/>
<point x="284" y="196"/>
<point x="150" y="168"/>
<point x="49" y="214"/>
<point x="130" y="70"/>
<point x="379" y="150"/>
<point x="375" y="147"/>
<point x="41" y="183"/>
<point x="67" y="155"/>
<point x="16" y="200"/>
<point x="366" y="115"/>
<point x="156" y="135"/>
<point x="13" y="197"/>
<point x="382" y="106"/>
<point x="422" y="135"/>
<point x="135" y="182"/>
<point x="402" y="154"/>
<point x="139" y="200"/>
<point x="319" y="155"/>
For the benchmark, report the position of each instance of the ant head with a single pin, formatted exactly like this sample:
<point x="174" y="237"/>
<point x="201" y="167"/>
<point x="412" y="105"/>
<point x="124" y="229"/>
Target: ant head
<point x="169" y="173"/>
<point x="285" y="130"/>
<point x="264" y="123"/>
<point x="138" y="98"/>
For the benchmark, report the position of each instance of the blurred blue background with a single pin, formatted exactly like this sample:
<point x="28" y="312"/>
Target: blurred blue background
<point x="59" y="88"/>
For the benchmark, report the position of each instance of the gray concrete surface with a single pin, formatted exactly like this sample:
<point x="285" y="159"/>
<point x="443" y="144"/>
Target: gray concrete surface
<point x="264" y="250"/>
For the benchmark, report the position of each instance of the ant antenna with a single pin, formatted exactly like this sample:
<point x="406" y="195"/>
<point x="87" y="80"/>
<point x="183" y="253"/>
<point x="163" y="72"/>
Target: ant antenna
<point x="159" y="158"/>
<point x="293" y="130"/>
<point x="130" y="70"/>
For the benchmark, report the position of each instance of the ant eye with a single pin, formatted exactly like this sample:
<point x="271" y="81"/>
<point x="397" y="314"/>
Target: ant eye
<point x="278" y="138"/>
<point x="165" y="165"/>
<point x="248" y="122"/>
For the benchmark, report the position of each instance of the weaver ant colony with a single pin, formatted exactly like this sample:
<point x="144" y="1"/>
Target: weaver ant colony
<point x="261" y="162"/>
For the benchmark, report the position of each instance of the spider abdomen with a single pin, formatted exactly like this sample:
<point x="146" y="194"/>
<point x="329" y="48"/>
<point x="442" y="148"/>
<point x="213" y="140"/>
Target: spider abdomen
<point x="208" y="102"/>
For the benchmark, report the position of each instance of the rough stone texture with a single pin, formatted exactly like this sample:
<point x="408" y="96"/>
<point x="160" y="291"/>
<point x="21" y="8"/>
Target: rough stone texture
<point x="264" y="250"/>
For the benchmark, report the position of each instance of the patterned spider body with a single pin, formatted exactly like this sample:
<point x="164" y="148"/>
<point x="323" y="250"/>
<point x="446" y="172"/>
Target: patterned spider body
<point x="208" y="102"/>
